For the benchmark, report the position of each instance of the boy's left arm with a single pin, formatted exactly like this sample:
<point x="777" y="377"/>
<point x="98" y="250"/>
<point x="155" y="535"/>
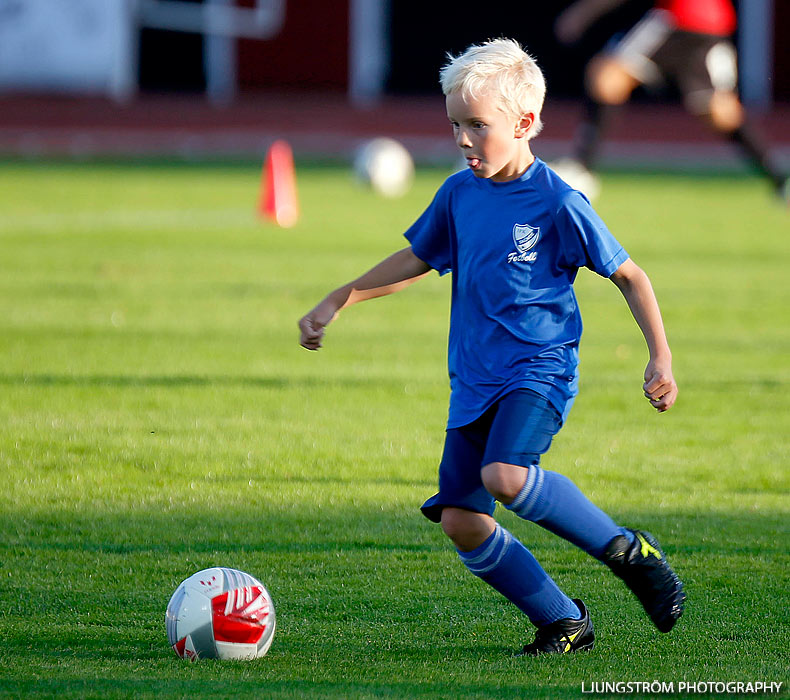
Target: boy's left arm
<point x="659" y="387"/>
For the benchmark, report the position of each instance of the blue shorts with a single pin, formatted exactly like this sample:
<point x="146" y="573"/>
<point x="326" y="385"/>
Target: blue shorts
<point x="517" y="429"/>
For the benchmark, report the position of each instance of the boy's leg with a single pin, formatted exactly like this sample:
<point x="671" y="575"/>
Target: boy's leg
<point x="554" y="502"/>
<point x="522" y="430"/>
<point x="509" y="567"/>
<point x="464" y="508"/>
<point x="504" y="563"/>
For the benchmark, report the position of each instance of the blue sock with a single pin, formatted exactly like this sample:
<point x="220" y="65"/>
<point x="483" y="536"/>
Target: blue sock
<point x="553" y="501"/>
<point x="509" y="567"/>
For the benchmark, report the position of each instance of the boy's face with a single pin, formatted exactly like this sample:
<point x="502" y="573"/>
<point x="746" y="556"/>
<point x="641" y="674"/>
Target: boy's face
<point x="494" y="143"/>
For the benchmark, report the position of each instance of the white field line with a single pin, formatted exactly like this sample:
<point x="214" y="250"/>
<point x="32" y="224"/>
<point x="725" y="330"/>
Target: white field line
<point x="46" y="222"/>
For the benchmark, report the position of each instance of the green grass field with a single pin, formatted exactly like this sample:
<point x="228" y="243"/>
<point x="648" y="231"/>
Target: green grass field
<point x="158" y="417"/>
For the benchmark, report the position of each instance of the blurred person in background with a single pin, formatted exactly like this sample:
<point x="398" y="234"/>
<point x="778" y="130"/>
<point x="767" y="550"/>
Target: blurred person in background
<point x="686" y="42"/>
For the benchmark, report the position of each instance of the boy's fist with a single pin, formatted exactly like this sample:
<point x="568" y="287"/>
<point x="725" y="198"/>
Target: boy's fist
<point x="311" y="326"/>
<point x="660" y="387"/>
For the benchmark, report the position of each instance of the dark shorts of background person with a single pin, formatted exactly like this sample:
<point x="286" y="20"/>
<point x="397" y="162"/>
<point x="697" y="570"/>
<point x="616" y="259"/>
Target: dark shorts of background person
<point x="655" y="52"/>
<point x="517" y="429"/>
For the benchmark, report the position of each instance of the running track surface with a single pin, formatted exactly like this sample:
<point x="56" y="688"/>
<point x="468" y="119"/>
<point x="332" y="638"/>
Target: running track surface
<point x="326" y="126"/>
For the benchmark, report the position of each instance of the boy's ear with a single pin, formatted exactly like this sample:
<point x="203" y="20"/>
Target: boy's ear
<point x="524" y="124"/>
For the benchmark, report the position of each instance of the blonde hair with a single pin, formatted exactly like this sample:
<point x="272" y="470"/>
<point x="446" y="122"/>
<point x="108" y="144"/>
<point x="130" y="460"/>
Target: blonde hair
<point x="501" y="67"/>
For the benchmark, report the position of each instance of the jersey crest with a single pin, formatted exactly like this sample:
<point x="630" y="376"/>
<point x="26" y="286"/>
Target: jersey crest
<point x="525" y="237"/>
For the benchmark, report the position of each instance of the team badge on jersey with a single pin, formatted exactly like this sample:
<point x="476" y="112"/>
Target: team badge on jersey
<point x="525" y="237"/>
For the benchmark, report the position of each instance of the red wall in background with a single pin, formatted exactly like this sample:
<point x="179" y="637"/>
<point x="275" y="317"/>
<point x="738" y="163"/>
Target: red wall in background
<point x="310" y="53"/>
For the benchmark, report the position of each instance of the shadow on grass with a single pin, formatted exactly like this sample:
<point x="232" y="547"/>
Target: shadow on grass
<point x="306" y="527"/>
<point x="263" y="687"/>
<point x="218" y="380"/>
<point x="193" y="380"/>
<point x="229" y="527"/>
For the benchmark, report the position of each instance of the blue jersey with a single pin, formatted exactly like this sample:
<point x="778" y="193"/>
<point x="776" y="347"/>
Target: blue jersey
<point x="514" y="249"/>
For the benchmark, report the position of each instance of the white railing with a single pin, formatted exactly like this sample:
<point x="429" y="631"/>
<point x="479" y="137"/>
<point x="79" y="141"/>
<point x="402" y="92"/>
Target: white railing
<point x="219" y="19"/>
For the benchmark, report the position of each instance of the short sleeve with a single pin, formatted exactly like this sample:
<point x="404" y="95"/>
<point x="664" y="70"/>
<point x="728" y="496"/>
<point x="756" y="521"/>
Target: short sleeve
<point x="587" y="242"/>
<point x="430" y="236"/>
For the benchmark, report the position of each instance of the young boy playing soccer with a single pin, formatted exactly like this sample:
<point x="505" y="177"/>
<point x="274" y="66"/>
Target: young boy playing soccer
<point x="514" y="236"/>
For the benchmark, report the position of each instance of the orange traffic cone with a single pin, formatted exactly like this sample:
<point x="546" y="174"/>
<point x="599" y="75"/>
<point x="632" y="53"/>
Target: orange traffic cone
<point x="278" y="187"/>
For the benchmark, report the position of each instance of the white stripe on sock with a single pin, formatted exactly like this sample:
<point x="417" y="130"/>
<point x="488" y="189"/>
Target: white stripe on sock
<point x="508" y="538"/>
<point x="523" y="502"/>
<point x="525" y="489"/>
<point x="470" y="561"/>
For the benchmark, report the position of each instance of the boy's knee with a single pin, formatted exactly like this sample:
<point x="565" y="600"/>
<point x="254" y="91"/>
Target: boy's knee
<point x="467" y="530"/>
<point x="608" y="82"/>
<point x="503" y="481"/>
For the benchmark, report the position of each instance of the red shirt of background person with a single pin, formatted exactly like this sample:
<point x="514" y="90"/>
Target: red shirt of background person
<point x="703" y="16"/>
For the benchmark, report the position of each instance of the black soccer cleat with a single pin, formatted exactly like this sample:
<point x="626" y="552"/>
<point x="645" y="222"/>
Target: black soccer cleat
<point x="644" y="569"/>
<point x="563" y="636"/>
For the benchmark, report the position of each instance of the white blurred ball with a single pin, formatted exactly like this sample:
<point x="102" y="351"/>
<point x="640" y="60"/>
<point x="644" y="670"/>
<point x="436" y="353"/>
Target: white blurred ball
<point x="385" y="165"/>
<point x="578" y="177"/>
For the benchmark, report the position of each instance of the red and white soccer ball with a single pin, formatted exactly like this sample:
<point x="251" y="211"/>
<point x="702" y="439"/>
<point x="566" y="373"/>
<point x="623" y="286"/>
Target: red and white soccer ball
<point x="220" y="614"/>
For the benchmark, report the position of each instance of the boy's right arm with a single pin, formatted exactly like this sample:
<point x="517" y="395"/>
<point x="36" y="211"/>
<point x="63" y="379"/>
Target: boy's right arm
<point x="391" y="275"/>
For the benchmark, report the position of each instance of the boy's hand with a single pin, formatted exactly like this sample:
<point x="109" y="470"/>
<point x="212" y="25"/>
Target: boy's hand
<point x="392" y="274"/>
<point x="660" y="387"/>
<point x="312" y="325"/>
